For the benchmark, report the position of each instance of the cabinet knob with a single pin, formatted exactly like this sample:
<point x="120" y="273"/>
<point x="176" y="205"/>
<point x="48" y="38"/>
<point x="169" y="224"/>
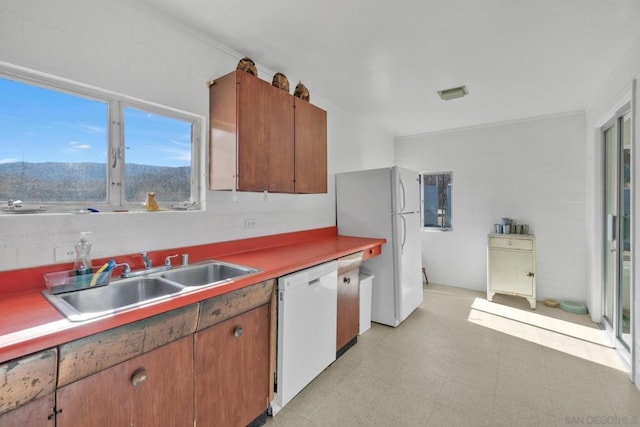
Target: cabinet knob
<point x="138" y="377"/>
<point x="238" y="331"/>
<point x="346" y="280"/>
<point x="529" y="274"/>
<point x="372" y="251"/>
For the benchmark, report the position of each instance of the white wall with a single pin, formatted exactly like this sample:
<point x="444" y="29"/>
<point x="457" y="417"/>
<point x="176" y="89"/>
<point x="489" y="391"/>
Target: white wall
<point x="532" y="171"/>
<point x="122" y="47"/>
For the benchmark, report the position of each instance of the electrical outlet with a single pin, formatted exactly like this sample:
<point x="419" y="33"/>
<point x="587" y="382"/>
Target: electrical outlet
<point x="250" y="223"/>
<point x="61" y="254"/>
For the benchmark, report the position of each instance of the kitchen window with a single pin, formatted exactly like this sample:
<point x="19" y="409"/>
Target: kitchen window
<point x="67" y="145"/>
<point x="436" y="200"/>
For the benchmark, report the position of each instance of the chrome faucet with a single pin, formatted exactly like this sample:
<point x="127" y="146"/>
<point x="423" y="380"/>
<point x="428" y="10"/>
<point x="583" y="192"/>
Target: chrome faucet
<point x="148" y="266"/>
<point x="146" y="261"/>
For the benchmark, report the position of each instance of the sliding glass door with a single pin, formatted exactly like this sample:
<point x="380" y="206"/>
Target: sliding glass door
<point x="617" y="214"/>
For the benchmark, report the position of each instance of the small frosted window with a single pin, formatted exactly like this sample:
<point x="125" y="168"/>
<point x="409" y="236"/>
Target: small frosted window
<point x="436" y="200"/>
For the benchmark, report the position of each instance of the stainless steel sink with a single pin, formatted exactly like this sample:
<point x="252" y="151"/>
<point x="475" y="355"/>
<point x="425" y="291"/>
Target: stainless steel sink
<point x="118" y="296"/>
<point x="207" y="274"/>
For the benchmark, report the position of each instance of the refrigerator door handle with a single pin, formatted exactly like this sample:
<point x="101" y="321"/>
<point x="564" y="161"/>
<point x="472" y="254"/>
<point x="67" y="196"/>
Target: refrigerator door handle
<point x="404" y="233"/>
<point x="404" y="196"/>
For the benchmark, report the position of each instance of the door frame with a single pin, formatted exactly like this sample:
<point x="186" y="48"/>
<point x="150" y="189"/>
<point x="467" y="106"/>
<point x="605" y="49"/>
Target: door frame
<point x="612" y="329"/>
<point x="610" y="321"/>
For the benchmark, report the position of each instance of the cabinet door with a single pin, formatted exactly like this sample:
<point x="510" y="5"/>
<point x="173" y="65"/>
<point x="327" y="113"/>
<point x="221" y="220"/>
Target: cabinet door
<point x="310" y="148"/>
<point x="281" y="148"/>
<point x="253" y="106"/>
<point x="232" y="370"/>
<point x="348" y="320"/>
<point x="153" y="389"/>
<point x="37" y="413"/>
<point x="509" y="271"/>
<point x="27" y="387"/>
<point x="223" y="133"/>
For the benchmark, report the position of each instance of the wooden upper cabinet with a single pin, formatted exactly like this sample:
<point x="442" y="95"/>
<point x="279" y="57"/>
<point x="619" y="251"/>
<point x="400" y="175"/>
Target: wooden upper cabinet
<point x="252" y="133"/>
<point x="253" y="146"/>
<point x="311" y="148"/>
<point x="281" y="143"/>
<point x="222" y="133"/>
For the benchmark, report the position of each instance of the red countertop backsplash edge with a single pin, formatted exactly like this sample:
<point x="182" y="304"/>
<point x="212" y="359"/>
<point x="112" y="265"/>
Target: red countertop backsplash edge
<point x="31" y="278"/>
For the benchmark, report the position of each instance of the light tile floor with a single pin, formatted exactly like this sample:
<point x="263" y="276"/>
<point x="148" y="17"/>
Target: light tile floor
<point x="440" y="369"/>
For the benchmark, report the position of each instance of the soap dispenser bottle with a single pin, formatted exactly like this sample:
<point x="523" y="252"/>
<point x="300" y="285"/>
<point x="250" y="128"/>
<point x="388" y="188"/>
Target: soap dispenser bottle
<point x="82" y="265"/>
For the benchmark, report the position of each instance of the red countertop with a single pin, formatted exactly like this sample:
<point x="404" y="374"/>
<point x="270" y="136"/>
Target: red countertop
<point x="28" y="323"/>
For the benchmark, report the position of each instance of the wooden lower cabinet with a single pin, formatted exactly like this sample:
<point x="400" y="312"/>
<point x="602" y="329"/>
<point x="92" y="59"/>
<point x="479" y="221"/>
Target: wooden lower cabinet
<point x="153" y="389"/>
<point x="348" y="320"/>
<point x="231" y="371"/>
<point x="27" y="390"/>
<point x="37" y="413"/>
<point x="155" y="372"/>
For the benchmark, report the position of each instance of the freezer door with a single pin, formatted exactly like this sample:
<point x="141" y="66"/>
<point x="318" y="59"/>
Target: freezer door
<point x="408" y="264"/>
<point x="406" y="191"/>
<point x="364" y="203"/>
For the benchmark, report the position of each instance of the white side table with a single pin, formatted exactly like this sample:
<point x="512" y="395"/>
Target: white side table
<point x="511" y="266"/>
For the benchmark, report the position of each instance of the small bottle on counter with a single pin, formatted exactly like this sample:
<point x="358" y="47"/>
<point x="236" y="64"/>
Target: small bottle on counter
<point x="82" y="265"/>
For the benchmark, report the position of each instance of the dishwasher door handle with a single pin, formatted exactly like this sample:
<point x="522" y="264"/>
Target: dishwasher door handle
<point x="314" y="282"/>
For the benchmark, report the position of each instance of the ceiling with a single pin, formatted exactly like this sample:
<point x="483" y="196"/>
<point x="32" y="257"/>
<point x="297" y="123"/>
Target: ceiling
<point x="384" y="61"/>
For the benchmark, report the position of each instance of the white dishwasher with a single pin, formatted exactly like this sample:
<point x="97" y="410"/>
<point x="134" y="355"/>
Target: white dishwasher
<point x="307" y="312"/>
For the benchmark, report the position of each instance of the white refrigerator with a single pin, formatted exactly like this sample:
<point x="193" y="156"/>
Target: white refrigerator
<point x="386" y="203"/>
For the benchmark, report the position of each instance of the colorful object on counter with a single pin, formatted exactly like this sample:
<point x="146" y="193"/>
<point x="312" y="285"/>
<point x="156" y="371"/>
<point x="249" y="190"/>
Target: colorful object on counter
<point x="60" y="282"/>
<point x="151" y="205"/>
<point x="100" y="275"/>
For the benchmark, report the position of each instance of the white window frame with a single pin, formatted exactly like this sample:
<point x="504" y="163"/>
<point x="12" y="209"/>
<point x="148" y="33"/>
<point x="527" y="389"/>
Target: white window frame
<point x="116" y="104"/>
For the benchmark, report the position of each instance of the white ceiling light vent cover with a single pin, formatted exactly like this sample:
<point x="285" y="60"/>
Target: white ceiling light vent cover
<point x="453" y="93"/>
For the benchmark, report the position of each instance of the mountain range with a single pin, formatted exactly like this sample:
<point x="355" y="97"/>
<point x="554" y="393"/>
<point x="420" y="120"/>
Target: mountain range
<point x="63" y="182"/>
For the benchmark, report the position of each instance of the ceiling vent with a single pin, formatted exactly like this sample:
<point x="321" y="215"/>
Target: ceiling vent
<point x="453" y="93"/>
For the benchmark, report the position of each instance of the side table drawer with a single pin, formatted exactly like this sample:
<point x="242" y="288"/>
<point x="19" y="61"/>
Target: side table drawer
<point x="506" y="243"/>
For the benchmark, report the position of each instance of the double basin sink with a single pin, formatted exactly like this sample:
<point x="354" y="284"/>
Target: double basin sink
<point x="129" y="293"/>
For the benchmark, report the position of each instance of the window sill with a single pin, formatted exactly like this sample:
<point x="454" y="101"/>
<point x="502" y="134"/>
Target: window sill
<point x="71" y="211"/>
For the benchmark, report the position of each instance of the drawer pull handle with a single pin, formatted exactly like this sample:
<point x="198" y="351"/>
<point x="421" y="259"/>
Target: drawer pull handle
<point x="372" y="251"/>
<point x="138" y="377"/>
<point x="346" y="280"/>
<point x="238" y="331"/>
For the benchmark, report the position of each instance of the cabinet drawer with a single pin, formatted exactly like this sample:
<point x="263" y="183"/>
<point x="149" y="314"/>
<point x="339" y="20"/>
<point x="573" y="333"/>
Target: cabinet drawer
<point x="226" y="306"/>
<point x="86" y="356"/>
<point x="506" y="243"/>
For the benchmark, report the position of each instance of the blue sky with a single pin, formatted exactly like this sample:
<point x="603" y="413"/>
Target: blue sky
<point x="40" y="125"/>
